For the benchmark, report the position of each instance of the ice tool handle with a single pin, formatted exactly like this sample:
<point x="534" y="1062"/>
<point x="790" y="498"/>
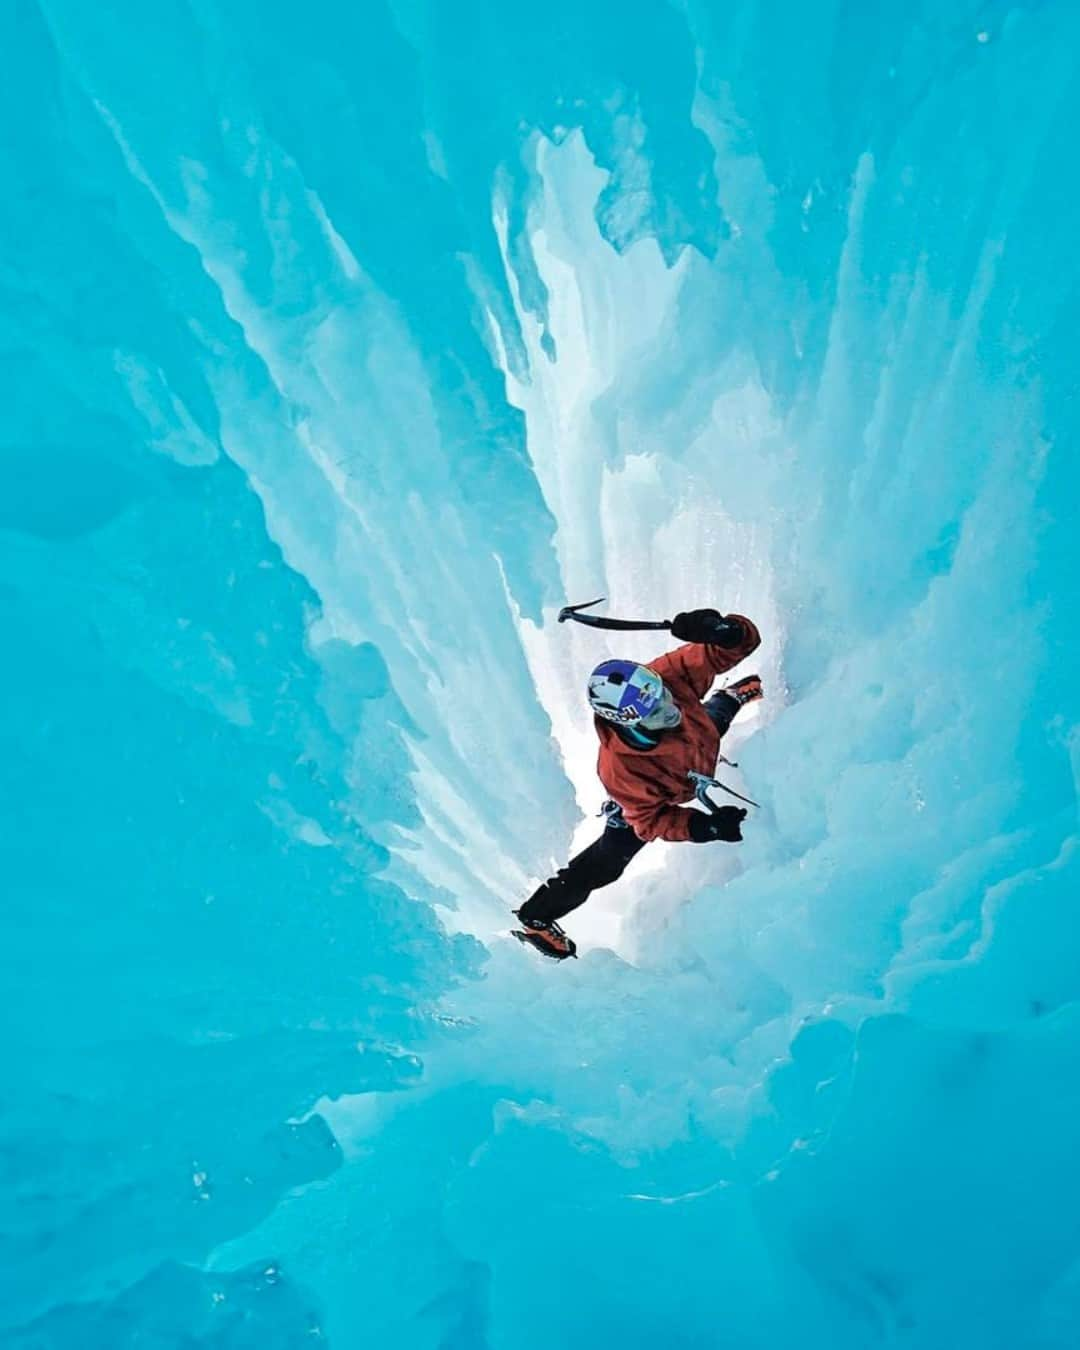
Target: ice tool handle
<point x="598" y="621"/>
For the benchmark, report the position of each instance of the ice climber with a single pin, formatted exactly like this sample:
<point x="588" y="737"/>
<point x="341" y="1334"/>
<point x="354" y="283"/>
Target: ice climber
<point x="655" y="732"/>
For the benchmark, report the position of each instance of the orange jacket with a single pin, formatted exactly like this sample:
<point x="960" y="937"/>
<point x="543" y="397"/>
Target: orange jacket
<point x="650" y="784"/>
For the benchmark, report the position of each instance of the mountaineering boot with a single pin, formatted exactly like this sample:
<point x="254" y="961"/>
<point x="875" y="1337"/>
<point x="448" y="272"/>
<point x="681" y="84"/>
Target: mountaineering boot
<point x="746" y="690"/>
<point x="546" y="938"/>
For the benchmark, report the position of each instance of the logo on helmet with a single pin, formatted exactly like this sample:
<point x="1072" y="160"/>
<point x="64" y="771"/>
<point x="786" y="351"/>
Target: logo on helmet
<point x="624" y="692"/>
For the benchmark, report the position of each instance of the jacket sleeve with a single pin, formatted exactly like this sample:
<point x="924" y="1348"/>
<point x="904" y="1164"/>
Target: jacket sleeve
<point x="699" y="663"/>
<point x="650" y="816"/>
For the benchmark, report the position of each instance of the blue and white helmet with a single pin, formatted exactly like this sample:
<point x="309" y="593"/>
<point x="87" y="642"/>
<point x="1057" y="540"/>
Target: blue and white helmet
<point x="624" y="692"/>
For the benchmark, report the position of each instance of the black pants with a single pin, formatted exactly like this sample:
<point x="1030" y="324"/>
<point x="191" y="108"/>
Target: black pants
<point x="605" y="860"/>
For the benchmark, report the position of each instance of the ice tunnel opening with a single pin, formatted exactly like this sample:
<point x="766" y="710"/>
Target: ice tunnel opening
<point x="635" y="518"/>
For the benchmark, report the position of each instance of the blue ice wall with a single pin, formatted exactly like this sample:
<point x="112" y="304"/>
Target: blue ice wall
<point x="341" y="345"/>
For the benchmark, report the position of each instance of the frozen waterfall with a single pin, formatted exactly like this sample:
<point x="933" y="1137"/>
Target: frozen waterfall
<point x="343" y="346"/>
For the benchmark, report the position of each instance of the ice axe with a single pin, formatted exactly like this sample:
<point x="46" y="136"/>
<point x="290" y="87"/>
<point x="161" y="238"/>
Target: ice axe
<point x="598" y="621"/>
<point x="702" y="783"/>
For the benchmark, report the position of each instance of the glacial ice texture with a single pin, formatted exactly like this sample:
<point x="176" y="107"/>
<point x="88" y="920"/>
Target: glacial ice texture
<point x="341" y="346"/>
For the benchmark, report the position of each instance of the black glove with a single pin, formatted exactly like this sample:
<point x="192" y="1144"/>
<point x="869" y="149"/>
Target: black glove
<point x="723" y="824"/>
<point x="707" y="625"/>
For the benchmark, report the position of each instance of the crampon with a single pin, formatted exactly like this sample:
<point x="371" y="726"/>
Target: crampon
<point x="746" y="690"/>
<point x="546" y="938"/>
